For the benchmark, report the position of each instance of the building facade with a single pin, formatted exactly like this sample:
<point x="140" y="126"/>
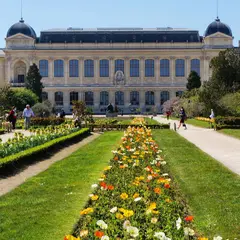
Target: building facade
<point x="128" y="67"/>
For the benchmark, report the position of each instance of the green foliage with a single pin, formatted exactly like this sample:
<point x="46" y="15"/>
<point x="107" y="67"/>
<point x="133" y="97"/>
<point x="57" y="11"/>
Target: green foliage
<point x="47" y="121"/>
<point x="227" y="122"/>
<point x="33" y="81"/>
<point x="42" y="110"/>
<point x="194" y="81"/>
<point x="21" y="97"/>
<point x="6" y="94"/>
<point x="230" y="103"/>
<point x="82" y="112"/>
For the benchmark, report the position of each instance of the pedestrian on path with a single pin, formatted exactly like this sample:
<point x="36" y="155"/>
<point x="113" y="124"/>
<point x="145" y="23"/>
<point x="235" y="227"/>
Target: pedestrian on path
<point x="183" y="117"/>
<point x="212" y="116"/>
<point x="27" y="115"/>
<point x="13" y="116"/>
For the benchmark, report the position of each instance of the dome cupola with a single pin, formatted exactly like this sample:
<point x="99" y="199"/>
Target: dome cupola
<point x="23" y="28"/>
<point x="218" y="26"/>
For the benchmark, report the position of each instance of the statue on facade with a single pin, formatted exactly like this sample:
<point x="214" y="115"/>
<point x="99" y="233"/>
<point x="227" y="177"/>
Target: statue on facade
<point x="119" y="78"/>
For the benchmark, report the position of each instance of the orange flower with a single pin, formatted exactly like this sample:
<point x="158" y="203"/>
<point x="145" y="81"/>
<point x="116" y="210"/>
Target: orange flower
<point x="157" y="190"/>
<point x="167" y="185"/>
<point x="122" y="166"/>
<point x="99" y="234"/>
<point x="103" y="184"/>
<point x="189" y="218"/>
<point x="110" y="187"/>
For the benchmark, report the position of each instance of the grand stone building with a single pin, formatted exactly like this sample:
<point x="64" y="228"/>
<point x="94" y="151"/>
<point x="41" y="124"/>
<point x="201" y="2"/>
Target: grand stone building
<point x="128" y="67"/>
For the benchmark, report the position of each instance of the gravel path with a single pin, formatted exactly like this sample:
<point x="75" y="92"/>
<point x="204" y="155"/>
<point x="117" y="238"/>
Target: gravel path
<point x="9" y="183"/>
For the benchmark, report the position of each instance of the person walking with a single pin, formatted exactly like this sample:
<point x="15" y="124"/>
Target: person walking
<point x="13" y="117"/>
<point x="212" y="116"/>
<point x="183" y="116"/>
<point x="27" y="114"/>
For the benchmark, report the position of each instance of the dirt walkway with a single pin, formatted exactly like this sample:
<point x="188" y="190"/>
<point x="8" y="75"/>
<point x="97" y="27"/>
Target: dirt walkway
<point x="8" y="184"/>
<point x="6" y="136"/>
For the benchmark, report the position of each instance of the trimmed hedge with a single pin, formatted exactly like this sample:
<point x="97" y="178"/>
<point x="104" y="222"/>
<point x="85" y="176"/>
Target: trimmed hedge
<point x="47" y="121"/>
<point x="41" y="148"/>
<point x="227" y="122"/>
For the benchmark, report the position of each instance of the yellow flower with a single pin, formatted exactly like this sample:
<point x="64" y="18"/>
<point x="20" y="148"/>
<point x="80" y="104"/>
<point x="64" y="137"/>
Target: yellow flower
<point x="83" y="233"/>
<point x="94" y="197"/>
<point x="119" y="216"/>
<point x="70" y="237"/>
<point x="152" y="206"/>
<point x="107" y="168"/>
<point x="128" y="213"/>
<point x="155" y="212"/>
<point x="168" y="200"/>
<point x="136" y="195"/>
<point x="121" y="210"/>
<point x="124" y="196"/>
<point x="202" y="238"/>
<point x="103" y="176"/>
<point x="86" y="211"/>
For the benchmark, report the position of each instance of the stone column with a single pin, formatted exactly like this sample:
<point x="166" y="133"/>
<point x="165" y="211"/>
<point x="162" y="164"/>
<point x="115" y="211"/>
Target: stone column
<point x="172" y="74"/>
<point x="96" y="69"/>
<point x="51" y="97"/>
<point x="142" y="100"/>
<point x="142" y="70"/>
<point x="9" y="75"/>
<point x="81" y="69"/>
<point x="51" y="68"/>
<point x="207" y="70"/>
<point x="81" y="96"/>
<point x="157" y="69"/>
<point x="66" y="70"/>
<point x="66" y="101"/>
<point x="202" y="68"/>
<point x="96" y="98"/>
<point x="112" y="97"/>
<point x="157" y="100"/>
<point x="111" y="67"/>
<point x="126" y="69"/>
<point x="187" y="66"/>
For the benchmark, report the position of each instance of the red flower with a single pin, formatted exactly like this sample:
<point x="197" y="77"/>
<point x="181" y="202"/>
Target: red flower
<point x="103" y="184"/>
<point x="110" y="187"/>
<point x="167" y="185"/>
<point x="189" y="218"/>
<point x="99" y="234"/>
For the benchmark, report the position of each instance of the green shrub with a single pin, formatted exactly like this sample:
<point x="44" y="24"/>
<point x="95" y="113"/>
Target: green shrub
<point x="230" y="104"/>
<point x="47" y="121"/>
<point x="227" y="122"/>
<point x="41" y="110"/>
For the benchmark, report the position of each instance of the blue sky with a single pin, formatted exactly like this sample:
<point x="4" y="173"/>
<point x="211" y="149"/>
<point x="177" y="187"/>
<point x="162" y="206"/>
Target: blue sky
<point x="46" y="14"/>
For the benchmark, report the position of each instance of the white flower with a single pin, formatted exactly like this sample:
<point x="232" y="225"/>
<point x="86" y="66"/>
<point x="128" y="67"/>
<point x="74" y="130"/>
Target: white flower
<point x="217" y="238"/>
<point x="114" y="151"/>
<point x="165" y="174"/>
<point x="189" y="231"/>
<point x="105" y="237"/>
<point x="125" y="165"/>
<point x="160" y="235"/>
<point x="137" y="199"/>
<point x="126" y="224"/>
<point x="94" y="186"/>
<point x="113" y="210"/>
<point x="90" y="195"/>
<point x="163" y="162"/>
<point x="102" y="224"/>
<point x="101" y="179"/>
<point x="133" y="231"/>
<point x="178" y="223"/>
<point x="154" y="220"/>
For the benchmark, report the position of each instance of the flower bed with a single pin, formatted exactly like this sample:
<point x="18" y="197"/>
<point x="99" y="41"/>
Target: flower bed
<point x="134" y="198"/>
<point x="205" y="119"/>
<point x="35" y="151"/>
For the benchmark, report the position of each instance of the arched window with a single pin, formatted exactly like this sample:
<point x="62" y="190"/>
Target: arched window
<point x="149" y="68"/>
<point x="73" y="97"/>
<point x="134" y="98"/>
<point x="164" y="68"/>
<point x="180" y="68"/>
<point x="44" y="96"/>
<point x="58" y="68"/>
<point x="149" y="98"/>
<point x="89" y="68"/>
<point x="195" y="66"/>
<point x="104" y="68"/>
<point x="89" y="98"/>
<point x="134" y="68"/>
<point x="43" y="68"/>
<point x="164" y="96"/>
<point x="119" y="98"/>
<point x="179" y="93"/>
<point x="59" y="98"/>
<point x="104" y="98"/>
<point x="119" y="65"/>
<point x="73" y="68"/>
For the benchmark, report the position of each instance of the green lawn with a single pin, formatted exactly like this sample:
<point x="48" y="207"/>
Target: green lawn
<point x="48" y="205"/>
<point x="212" y="191"/>
<point x="231" y="132"/>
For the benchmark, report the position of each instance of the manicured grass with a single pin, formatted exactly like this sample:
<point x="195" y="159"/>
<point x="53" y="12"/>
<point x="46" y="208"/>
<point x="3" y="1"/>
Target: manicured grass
<point x="48" y="205"/>
<point x="198" y="123"/>
<point x="212" y="191"/>
<point x="231" y="132"/>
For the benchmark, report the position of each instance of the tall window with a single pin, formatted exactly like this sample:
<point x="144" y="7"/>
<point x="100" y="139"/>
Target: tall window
<point x="134" y="68"/>
<point x="180" y="68"/>
<point x="44" y="96"/>
<point x="164" y="96"/>
<point x="58" y="68"/>
<point x="149" y="98"/>
<point x="43" y="68"/>
<point x="119" y="98"/>
<point x="179" y="93"/>
<point x="89" y="68"/>
<point x="164" y="68"/>
<point x="149" y="68"/>
<point x="195" y="66"/>
<point x="134" y="98"/>
<point x="104" y="68"/>
<point x="89" y="98"/>
<point x="104" y="98"/>
<point x="73" y="97"/>
<point x="59" y="98"/>
<point x="119" y="65"/>
<point x="73" y="68"/>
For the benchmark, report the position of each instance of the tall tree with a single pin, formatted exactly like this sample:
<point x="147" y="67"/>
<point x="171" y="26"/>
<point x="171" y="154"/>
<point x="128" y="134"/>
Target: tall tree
<point x="194" y="81"/>
<point x="33" y="81"/>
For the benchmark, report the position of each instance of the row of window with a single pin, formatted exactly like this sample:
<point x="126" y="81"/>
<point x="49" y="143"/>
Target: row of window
<point x="104" y="97"/>
<point x="119" y="65"/>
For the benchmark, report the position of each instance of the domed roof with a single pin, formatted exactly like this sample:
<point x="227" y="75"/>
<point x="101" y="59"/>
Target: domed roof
<point x="21" y="27"/>
<point x="218" y="26"/>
